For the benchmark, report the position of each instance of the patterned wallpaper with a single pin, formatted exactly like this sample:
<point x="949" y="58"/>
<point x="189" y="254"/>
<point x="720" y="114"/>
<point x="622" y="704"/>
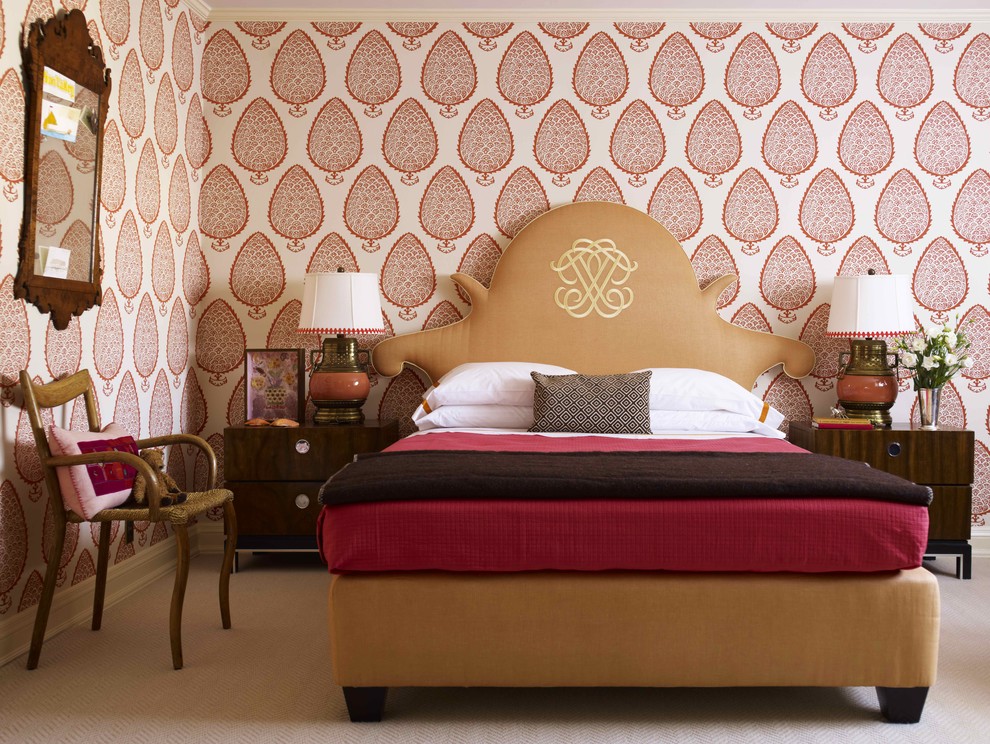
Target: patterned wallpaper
<point x="785" y="153"/>
<point x="138" y="343"/>
<point x="240" y="155"/>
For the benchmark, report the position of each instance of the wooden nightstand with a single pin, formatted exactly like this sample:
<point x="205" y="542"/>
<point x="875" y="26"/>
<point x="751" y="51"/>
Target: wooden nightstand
<point x="276" y="474"/>
<point x="941" y="459"/>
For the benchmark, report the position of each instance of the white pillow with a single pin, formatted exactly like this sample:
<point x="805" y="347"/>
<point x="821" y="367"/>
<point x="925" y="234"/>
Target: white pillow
<point x="474" y="417"/>
<point x="663" y="422"/>
<point x="488" y="384"/>
<point x="677" y="389"/>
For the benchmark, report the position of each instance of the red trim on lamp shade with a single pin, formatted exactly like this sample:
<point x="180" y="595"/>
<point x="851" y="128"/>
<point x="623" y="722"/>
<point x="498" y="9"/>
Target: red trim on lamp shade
<point x="868" y="334"/>
<point x="335" y="331"/>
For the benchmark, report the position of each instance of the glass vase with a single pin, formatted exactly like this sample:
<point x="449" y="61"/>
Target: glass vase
<point x="928" y="400"/>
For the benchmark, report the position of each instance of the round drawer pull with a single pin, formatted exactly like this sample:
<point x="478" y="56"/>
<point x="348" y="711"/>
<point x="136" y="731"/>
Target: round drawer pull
<point x="302" y="501"/>
<point x="894" y="449"/>
<point x="302" y="446"/>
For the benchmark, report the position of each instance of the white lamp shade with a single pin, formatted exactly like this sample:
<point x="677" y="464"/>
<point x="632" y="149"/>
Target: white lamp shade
<point x="341" y="302"/>
<point x="871" y="306"/>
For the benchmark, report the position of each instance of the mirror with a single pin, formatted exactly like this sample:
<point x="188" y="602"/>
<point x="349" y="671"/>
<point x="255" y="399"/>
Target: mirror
<point x="66" y="87"/>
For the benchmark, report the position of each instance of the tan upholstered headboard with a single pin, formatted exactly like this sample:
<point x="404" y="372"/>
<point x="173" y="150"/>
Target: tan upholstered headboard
<point x="598" y="288"/>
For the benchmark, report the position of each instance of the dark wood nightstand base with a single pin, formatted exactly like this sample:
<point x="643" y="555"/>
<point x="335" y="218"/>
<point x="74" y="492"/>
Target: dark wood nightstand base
<point x="959" y="548"/>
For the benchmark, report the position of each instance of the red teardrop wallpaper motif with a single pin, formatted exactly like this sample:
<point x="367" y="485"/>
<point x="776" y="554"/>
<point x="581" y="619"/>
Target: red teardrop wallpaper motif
<point x="488" y="32"/>
<point x="446" y="211"/>
<point x="940" y="282"/>
<point x="373" y="75"/>
<point x="750" y="213"/>
<point x="408" y="278"/>
<point x="639" y="32"/>
<point x="371" y="210"/>
<point x="147" y="188"/>
<point x="108" y="341"/>
<point x="331" y="254"/>
<point x="298" y="75"/>
<point x="179" y="198"/>
<point x="862" y="256"/>
<point x="677" y="76"/>
<point x="524" y="74"/>
<point x="600" y="77"/>
<point x="116" y="17"/>
<point x="225" y="73"/>
<point x="259" y="143"/>
<point x="411" y="32"/>
<point x="713" y="145"/>
<point x="676" y="205"/>
<point x="257" y="277"/>
<point x="867" y="34"/>
<point x="520" y="201"/>
<point x="826" y="349"/>
<point x="195" y="273"/>
<point x="716" y="33"/>
<point x="296" y="207"/>
<point x="223" y="207"/>
<point x="151" y="37"/>
<point x="14" y="536"/>
<point x="145" y="341"/>
<point x="599" y="185"/>
<point x="637" y="145"/>
<point x="131" y="100"/>
<point x="166" y="119"/>
<point x="970" y="76"/>
<point x="128" y="264"/>
<point x="866" y="146"/>
<point x="791" y="33"/>
<point x="163" y="267"/>
<point x="177" y="343"/>
<point x="410" y="141"/>
<point x="712" y="260"/>
<point x="903" y="214"/>
<point x="485" y="144"/>
<point x="337" y="31"/>
<point x="182" y="57"/>
<point x="787" y="281"/>
<point x="220" y="341"/>
<point x="970" y="216"/>
<point x="752" y="77"/>
<point x="259" y="31"/>
<point x="942" y="144"/>
<point x="11" y="133"/>
<point x="334" y="144"/>
<point x="449" y="75"/>
<point x="944" y="33"/>
<point x="827" y="213"/>
<point x="563" y="32"/>
<point x="905" y="76"/>
<point x="828" y="78"/>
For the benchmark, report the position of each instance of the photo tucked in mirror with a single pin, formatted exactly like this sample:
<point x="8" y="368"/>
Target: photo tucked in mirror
<point x="67" y="90"/>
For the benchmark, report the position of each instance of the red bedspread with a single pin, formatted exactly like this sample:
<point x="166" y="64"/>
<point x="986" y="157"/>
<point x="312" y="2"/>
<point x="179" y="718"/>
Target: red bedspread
<point x="801" y="535"/>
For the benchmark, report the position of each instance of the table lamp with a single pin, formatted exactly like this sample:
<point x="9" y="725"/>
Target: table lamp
<point x="340" y="303"/>
<point x="867" y="310"/>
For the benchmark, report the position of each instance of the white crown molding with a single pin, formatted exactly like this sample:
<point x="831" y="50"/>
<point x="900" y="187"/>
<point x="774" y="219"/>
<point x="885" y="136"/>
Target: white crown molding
<point x="378" y="15"/>
<point x="203" y="9"/>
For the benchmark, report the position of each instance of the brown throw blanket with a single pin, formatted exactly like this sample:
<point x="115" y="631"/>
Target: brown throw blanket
<point x="420" y="475"/>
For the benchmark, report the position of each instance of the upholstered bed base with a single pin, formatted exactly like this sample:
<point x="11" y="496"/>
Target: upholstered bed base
<point x="635" y="629"/>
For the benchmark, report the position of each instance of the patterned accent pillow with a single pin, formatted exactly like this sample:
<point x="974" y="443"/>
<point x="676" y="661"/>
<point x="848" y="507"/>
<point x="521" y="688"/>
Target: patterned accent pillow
<point x="592" y="404"/>
<point x="88" y="489"/>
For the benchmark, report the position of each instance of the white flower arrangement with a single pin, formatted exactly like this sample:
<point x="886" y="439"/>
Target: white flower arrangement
<point x="934" y="355"/>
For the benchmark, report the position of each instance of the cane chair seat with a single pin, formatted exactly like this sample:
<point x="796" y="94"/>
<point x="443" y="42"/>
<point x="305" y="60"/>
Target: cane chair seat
<point x="195" y="504"/>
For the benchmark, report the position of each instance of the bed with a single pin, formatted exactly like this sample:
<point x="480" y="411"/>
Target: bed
<point x="419" y="598"/>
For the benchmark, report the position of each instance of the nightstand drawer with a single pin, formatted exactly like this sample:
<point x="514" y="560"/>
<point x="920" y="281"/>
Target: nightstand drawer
<point x="299" y="454"/>
<point x="283" y="508"/>
<point x="949" y="516"/>
<point x="937" y="457"/>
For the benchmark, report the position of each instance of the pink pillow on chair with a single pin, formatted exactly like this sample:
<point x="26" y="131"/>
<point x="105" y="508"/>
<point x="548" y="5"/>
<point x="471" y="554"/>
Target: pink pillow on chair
<point x="88" y="489"/>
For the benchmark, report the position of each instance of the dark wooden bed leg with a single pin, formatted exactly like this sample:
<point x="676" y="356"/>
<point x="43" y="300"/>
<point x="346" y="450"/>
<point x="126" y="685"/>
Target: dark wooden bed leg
<point x="365" y="704"/>
<point x="901" y="704"/>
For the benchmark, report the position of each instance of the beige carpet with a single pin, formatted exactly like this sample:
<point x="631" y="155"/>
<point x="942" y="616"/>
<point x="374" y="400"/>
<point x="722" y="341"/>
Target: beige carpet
<point x="268" y="680"/>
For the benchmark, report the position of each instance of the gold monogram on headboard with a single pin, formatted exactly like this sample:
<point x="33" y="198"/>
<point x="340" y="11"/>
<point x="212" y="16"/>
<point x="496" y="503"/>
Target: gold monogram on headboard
<point x="593" y="272"/>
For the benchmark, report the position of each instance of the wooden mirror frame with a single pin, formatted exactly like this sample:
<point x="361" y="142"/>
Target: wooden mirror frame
<point x="62" y="43"/>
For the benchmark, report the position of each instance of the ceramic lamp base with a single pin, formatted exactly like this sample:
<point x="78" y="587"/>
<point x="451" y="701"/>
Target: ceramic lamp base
<point x="339" y="396"/>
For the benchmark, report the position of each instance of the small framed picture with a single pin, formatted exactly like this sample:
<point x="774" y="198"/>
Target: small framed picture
<point x="273" y="384"/>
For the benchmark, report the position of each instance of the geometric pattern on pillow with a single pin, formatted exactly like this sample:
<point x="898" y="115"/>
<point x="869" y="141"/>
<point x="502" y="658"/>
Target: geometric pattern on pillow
<point x="592" y="404"/>
<point x="88" y="489"/>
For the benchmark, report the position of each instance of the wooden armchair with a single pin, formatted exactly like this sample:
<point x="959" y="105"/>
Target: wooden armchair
<point x="37" y="397"/>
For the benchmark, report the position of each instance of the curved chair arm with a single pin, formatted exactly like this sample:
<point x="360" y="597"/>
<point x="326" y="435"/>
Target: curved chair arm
<point x="152" y="488"/>
<point x="166" y="439"/>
